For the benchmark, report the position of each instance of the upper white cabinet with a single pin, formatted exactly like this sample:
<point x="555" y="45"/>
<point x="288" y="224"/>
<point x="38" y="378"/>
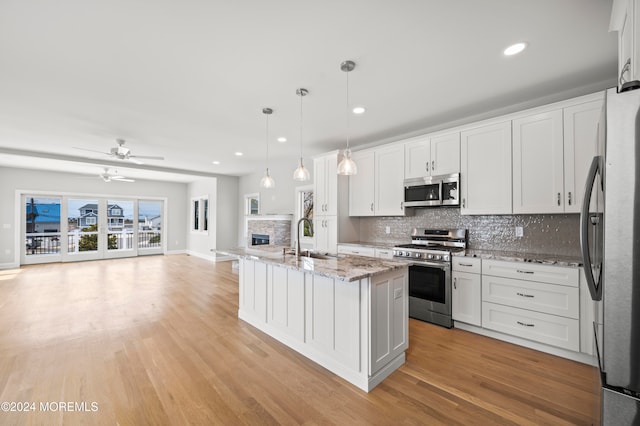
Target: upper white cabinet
<point x="325" y="178"/>
<point x="377" y="189"/>
<point x="538" y="169"/>
<point x="429" y="156"/>
<point x="626" y="20"/>
<point x="388" y="181"/>
<point x="552" y="151"/>
<point x="361" y="191"/>
<point x="485" y="169"/>
<point x="580" y="145"/>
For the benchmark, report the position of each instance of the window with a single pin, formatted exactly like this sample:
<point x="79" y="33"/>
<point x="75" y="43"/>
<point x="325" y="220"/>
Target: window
<point x="116" y="212"/>
<point x="90" y="220"/>
<point x="304" y="207"/>
<point x="200" y="214"/>
<point x="252" y="206"/>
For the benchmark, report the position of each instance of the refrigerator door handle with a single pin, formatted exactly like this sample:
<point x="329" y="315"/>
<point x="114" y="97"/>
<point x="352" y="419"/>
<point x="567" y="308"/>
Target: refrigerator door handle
<point x="585" y="221"/>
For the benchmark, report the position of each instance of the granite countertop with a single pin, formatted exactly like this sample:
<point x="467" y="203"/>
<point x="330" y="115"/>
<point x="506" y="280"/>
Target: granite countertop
<point x="342" y="267"/>
<point x="547" y="259"/>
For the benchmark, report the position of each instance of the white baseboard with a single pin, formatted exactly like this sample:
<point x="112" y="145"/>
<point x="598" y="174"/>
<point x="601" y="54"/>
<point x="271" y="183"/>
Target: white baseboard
<point x="9" y="265"/>
<point x="176" y="252"/>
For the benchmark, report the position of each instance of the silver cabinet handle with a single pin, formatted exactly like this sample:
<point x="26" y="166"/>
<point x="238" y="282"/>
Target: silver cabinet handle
<point x="433" y="165"/>
<point x="455" y="283"/>
<point x="559" y="198"/>
<point x="371" y="206"/>
<point x="426" y="166"/>
<point x="525" y="295"/>
<point x="569" y="200"/>
<point x="465" y="264"/>
<point x="463" y="203"/>
<point x="524" y="324"/>
<point x="520" y="271"/>
<point x="401" y="205"/>
<point x="356" y="252"/>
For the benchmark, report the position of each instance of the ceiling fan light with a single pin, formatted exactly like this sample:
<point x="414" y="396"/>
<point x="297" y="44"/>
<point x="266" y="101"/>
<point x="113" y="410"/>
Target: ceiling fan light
<point x="301" y="173"/>
<point x="267" y="182"/>
<point x="347" y="166"/>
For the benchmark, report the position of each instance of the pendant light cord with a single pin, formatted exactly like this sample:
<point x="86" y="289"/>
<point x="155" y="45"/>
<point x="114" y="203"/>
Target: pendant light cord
<point x="347" y="110"/>
<point x="267" y="139"/>
<point x="301" y="96"/>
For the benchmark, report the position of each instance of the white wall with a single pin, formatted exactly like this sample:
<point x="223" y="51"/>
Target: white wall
<point x="202" y="244"/>
<point x="227" y="214"/>
<point x="279" y="200"/>
<point x="12" y="179"/>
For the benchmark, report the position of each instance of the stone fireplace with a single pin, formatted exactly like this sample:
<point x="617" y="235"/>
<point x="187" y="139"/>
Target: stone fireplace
<point x="276" y="227"/>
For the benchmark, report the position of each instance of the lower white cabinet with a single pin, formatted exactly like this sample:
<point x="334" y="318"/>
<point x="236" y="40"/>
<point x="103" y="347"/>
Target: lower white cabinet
<point x="357" y="329"/>
<point x="383" y="253"/>
<point x="356" y="250"/>
<point x="466" y="298"/>
<point x="532" y="301"/>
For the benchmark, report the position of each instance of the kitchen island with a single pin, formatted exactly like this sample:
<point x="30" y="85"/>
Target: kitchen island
<point x="347" y="313"/>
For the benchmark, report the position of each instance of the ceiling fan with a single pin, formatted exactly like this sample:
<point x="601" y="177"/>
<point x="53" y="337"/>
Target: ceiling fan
<point x="113" y="177"/>
<point x="122" y="153"/>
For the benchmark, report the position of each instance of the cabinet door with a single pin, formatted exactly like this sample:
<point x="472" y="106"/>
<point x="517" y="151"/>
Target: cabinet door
<point x="466" y="300"/>
<point x="445" y="154"/>
<point x="389" y="181"/>
<point x="417" y="158"/>
<point x="326" y="234"/>
<point x="325" y="180"/>
<point x="389" y="318"/>
<point x="361" y="192"/>
<point x="485" y="169"/>
<point x="580" y="140"/>
<point x="538" y="170"/>
<point x="319" y="180"/>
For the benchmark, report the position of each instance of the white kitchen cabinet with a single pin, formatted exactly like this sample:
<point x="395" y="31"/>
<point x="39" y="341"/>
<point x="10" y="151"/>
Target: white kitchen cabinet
<point x="325" y="233"/>
<point x="552" y="151"/>
<point x="377" y="189"/>
<point x="383" y="253"/>
<point x="432" y="155"/>
<point x="538" y="169"/>
<point x="389" y="181"/>
<point x="253" y="296"/>
<point x="580" y="145"/>
<point x="466" y="300"/>
<point x="625" y="19"/>
<point x="325" y="180"/>
<point x="389" y="331"/>
<point x="532" y="301"/>
<point x="356" y="250"/>
<point x="485" y="169"/>
<point x="361" y="185"/>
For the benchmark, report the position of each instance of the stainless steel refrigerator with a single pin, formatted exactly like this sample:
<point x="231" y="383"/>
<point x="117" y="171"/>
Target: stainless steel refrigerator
<point x="610" y="240"/>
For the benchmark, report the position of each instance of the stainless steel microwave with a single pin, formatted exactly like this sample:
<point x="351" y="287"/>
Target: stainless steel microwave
<point x="430" y="191"/>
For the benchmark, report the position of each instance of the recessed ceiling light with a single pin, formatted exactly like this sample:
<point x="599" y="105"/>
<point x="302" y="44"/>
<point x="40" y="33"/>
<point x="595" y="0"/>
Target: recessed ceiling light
<point x="281" y="139"/>
<point x="359" y="110"/>
<point x="239" y="154"/>
<point x="215" y="162"/>
<point x="515" y="49"/>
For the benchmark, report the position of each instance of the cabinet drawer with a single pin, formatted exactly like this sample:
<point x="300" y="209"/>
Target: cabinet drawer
<point x="541" y="297"/>
<point x="466" y="264"/>
<point x="384" y="253"/>
<point x="357" y="250"/>
<point x="532" y="272"/>
<point x="544" y="328"/>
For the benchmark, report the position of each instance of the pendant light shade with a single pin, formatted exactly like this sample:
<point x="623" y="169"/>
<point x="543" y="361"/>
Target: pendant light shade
<point x="301" y="173"/>
<point x="347" y="166"/>
<point x="267" y="181"/>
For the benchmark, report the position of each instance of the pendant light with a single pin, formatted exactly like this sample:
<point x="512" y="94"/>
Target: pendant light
<point x="267" y="181"/>
<point x="301" y="173"/>
<point x="347" y="166"/>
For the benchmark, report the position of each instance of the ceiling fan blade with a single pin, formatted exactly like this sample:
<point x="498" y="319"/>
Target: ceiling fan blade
<point x="92" y="150"/>
<point x="148" y="157"/>
<point x="125" y="180"/>
<point x="121" y="179"/>
<point x="133" y="160"/>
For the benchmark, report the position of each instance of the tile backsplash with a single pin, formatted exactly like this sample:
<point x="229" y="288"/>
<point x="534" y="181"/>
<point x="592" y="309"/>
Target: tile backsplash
<point x="555" y="234"/>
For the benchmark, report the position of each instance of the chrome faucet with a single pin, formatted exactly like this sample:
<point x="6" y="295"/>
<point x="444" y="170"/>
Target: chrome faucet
<point x="303" y="219"/>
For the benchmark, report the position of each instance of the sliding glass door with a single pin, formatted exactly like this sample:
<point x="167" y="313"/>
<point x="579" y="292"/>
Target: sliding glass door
<point x="72" y="228"/>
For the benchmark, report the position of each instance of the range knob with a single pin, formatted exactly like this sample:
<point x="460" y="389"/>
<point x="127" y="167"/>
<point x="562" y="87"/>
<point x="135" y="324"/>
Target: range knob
<point x="407" y="254"/>
<point x="429" y="256"/>
<point x="445" y="257"/>
<point x="438" y="257"/>
<point x="418" y="255"/>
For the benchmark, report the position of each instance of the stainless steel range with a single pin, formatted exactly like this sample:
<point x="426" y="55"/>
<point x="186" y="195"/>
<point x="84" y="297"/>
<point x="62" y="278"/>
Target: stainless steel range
<point x="430" y="274"/>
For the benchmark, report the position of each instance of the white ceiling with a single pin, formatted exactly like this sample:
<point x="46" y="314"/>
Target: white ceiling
<point x="187" y="80"/>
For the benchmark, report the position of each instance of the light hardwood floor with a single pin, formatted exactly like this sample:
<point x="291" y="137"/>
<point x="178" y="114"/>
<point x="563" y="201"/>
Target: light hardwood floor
<point x="156" y="340"/>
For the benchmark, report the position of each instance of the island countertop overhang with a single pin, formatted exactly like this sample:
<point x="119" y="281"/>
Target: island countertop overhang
<point x="343" y="267"/>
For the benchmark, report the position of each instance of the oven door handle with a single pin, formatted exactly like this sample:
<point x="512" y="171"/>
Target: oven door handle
<point x="426" y="263"/>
